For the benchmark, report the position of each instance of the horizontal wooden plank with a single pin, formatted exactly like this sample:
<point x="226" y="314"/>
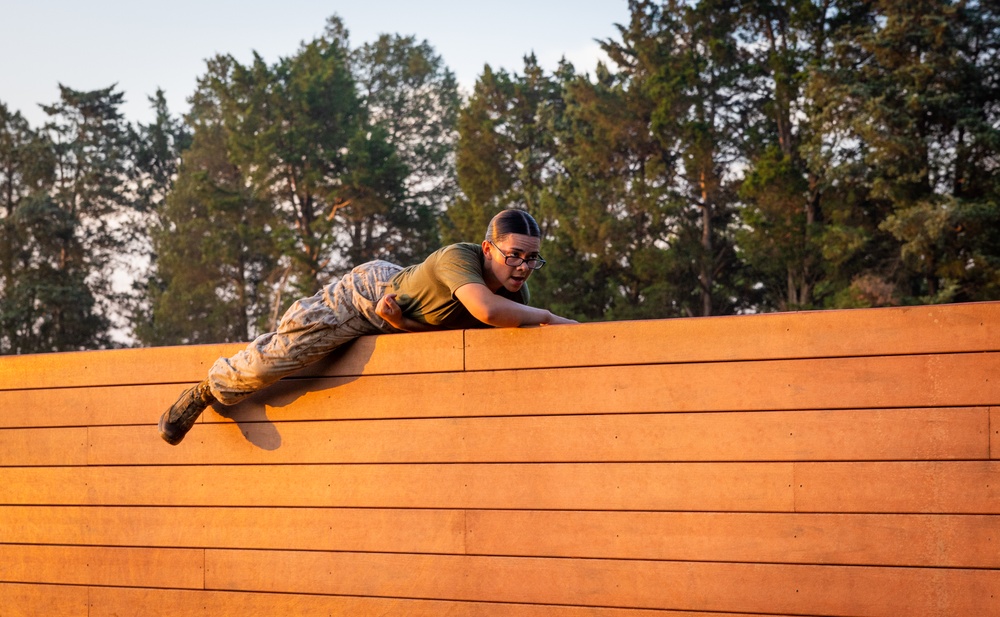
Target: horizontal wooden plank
<point x="62" y="446"/>
<point x="353" y="529"/>
<point x="956" y="380"/>
<point x="76" y="407"/>
<point x="910" y="330"/>
<point x="777" y="464"/>
<point x="119" y="602"/>
<point x="971" y="487"/>
<point x="110" y="367"/>
<point x="766" y="588"/>
<point x="957" y="541"/>
<point x="19" y="600"/>
<point x="612" y="486"/>
<point x="880" y="434"/>
<point x="905" y="330"/>
<point x="371" y="355"/>
<point x="960" y="541"/>
<point x="846" y="383"/>
<point x="957" y="487"/>
<point x="94" y="565"/>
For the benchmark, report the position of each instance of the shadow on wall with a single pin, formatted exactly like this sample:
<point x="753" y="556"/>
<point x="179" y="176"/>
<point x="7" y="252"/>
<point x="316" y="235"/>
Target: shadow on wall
<point x="250" y="414"/>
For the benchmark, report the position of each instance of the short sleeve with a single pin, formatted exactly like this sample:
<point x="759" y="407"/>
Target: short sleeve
<point x="458" y="266"/>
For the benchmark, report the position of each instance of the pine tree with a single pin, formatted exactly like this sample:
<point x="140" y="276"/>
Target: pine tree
<point x="291" y="150"/>
<point x="793" y="223"/>
<point x="909" y="97"/>
<point x="507" y="156"/>
<point x="615" y="211"/>
<point x="214" y="252"/>
<point x="684" y="59"/>
<point x="505" y="153"/>
<point x="26" y="174"/>
<point x="66" y="223"/>
<point x="412" y="97"/>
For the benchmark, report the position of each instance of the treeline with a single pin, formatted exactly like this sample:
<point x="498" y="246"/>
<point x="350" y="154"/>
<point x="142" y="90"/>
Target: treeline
<point x="733" y="156"/>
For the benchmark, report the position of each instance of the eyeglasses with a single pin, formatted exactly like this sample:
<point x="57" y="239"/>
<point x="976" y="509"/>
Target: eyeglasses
<point x="534" y="263"/>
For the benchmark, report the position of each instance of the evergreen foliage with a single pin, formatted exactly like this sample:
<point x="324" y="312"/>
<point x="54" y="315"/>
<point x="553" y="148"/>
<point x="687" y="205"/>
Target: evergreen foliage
<point x="297" y="172"/>
<point x="730" y="156"/>
<point x="66" y="223"/>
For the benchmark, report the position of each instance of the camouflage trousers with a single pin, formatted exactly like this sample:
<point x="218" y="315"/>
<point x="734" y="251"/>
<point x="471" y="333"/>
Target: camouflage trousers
<point x="310" y="329"/>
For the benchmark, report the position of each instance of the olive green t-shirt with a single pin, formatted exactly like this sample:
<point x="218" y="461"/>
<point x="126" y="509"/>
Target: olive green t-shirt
<point x="426" y="292"/>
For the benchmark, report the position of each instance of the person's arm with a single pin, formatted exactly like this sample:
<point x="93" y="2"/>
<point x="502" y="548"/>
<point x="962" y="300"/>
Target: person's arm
<point x="389" y="310"/>
<point x="494" y="310"/>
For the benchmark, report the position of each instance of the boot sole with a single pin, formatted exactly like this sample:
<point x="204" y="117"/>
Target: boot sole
<point x="169" y="436"/>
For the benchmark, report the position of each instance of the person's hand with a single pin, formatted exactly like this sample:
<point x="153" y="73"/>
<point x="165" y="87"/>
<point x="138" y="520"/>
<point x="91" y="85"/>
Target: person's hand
<point x="556" y="320"/>
<point x="389" y="310"/>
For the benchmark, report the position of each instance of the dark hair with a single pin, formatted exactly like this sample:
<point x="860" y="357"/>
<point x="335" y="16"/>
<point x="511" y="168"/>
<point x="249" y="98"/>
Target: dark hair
<point x="512" y="221"/>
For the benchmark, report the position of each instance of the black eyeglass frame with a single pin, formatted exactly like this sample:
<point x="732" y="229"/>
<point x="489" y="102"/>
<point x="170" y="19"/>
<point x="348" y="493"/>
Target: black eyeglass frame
<point x="507" y="259"/>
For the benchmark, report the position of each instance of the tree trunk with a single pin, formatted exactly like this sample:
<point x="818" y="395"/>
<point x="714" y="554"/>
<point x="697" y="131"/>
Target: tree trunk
<point x="705" y="277"/>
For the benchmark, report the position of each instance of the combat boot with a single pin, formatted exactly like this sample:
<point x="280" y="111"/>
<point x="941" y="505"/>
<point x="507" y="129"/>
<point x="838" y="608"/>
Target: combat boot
<point x="178" y="420"/>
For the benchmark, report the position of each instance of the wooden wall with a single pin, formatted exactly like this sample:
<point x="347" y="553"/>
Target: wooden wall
<point x="826" y="463"/>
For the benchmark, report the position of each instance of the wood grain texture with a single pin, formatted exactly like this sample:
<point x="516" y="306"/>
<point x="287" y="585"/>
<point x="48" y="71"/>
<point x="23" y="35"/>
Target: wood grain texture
<point x="111" y="367"/>
<point x="840" y="463"/>
<point x="612" y="486"/>
<point x="954" y="380"/>
<point x="86" y="406"/>
<point x="354" y="529"/>
<point x="907" y="330"/>
<point x="869" y="434"/>
<point x="724" y="587"/>
<point x="426" y="352"/>
<point x="845" y="383"/>
<point x="62" y="446"/>
<point x="959" y="487"/>
<point x="964" y="541"/>
<point x="19" y="600"/>
<point x="89" y="565"/>
<point x="969" y="487"/>
<point x="117" y="602"/>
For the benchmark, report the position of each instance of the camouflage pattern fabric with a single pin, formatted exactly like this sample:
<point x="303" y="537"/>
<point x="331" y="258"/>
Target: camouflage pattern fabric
<point x="311" y="328"/>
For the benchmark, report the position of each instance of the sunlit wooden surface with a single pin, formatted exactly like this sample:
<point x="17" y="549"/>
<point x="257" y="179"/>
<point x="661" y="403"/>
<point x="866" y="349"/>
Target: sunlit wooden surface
<point x="840" y="463"/>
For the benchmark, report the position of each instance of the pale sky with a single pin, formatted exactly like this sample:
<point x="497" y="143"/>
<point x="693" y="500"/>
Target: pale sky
<point x="142" y="46"/>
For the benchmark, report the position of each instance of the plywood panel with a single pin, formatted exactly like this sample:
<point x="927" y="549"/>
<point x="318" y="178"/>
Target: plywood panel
<point x="963" y="541"/>
<point x="893" y="434"/>
<point x="85" y="565"/>
<point x="18" y="600"/>
<point x="55" y="446"/>
<point x="116" y="602"/>
<point x="969" y="487"/>
<point x="424" y="352"/>
<point x="907" y="330"/>
<point x="612" y="486"/>
<point x="354" y="529"/>
<point x="767" y="588"/>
